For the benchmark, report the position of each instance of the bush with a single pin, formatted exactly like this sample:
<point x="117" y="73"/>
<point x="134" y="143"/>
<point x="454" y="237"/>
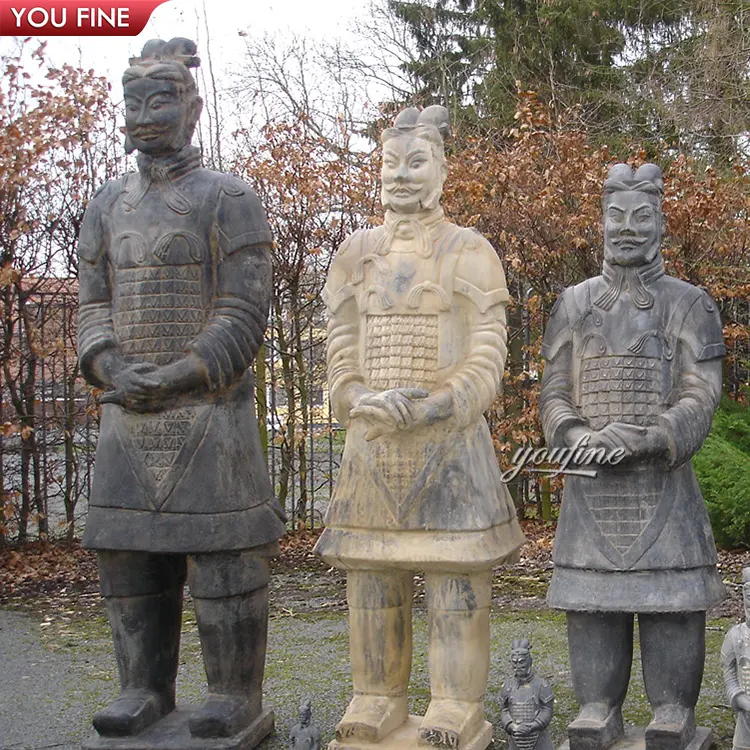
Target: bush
<point x="723" y="469"/>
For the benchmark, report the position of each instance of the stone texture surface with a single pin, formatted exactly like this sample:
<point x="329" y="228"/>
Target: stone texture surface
<point x="633" y="366"/>
<point x="416" y="353"/>
<point x="174" y="286"/>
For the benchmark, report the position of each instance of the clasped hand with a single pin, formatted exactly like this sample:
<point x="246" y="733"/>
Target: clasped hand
<point x="631" y="440"/>
<point x="138" y="385"/>
<point x="392" y="410"/>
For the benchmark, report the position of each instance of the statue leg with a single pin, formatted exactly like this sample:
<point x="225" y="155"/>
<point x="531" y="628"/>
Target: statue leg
<point x="143" y="596"/>
<point x="673" y="648"/>
<point x="458" y="610"/>
<point x="230" y="593"/>
<point x="601" y="654"/>
<point x="379" y="651"/>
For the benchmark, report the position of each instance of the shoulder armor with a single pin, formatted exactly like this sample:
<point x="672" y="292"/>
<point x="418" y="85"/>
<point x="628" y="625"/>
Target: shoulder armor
<point x="479" y="273"/>
<point x="91" y="239"/>
<point x="701" y="327"/>
<point x="558" y="331"/>
<point x="240" y="218"/>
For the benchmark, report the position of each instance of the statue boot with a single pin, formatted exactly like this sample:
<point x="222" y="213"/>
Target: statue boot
<point x="601" y="654"/>
<point x="459" y="655"/>
<point x="672" y="651"/>
<point x="380" y="641"/>
<point x="233" y="632"/>
<point x="146" y="634"/>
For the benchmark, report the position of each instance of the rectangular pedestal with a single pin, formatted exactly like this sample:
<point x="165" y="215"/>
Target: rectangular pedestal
<point x="405" y="738"/>
<point x="635" y="739"/>
<point x="172" y="733"/>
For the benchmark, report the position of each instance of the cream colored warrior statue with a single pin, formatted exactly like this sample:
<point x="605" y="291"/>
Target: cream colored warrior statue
<point x="416" y="353"/>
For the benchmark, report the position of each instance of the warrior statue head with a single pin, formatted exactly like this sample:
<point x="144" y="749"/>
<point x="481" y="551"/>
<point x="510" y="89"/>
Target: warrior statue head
<point x="633" y="219"/>
<point x="414" y="168"/>
<point x="162" y="105"/>
<point x="520" y="658"/>
<point x="305" y="712"/>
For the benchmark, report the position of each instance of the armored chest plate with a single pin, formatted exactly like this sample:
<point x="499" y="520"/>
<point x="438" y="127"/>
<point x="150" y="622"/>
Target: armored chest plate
<point x="620" y="389"/>
<point x="401" y="351"/>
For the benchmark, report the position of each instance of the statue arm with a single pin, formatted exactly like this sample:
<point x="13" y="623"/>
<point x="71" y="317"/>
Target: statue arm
<point x="97" y="345"/>
<point x="471" y="389"/>
<point x="546" y="699"/>
<point x="505" y="716"/>
<point x="556" y="410"/>
<point x="346" y="381"/>
<point x="729" y="664"/>
<point x="235" y="330"/>
<point x="687" y="422"/>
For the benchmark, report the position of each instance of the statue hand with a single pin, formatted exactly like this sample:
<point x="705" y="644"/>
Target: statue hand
<point x="434" y="408"/>
<point x="390" y="410"/>
<point x="133" y="385"/>
<point x="620" y="436"/>
<point x="741" y="702"/>
<point x="524" y="729"/>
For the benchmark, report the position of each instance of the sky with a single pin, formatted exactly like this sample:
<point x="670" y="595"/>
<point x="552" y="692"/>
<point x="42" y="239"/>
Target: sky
<point x="224" y="19"/>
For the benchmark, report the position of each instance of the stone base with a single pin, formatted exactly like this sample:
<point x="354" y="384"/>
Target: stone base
<point x="635" y="739"/>
<point x="172" y="733"/>
<point x="406" y="738"/>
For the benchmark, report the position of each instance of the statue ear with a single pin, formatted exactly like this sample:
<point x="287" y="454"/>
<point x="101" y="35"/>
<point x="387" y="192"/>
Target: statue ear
<point x="196" y="107"/>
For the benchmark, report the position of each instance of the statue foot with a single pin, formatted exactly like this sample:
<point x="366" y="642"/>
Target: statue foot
<point x="672" y="728"/>
<point x="596" y="727"/>
<point x="450" y="723"/>
<point x="132" y="712"/>
<point x="372" y="717"/>
<point x="221" y="716"/>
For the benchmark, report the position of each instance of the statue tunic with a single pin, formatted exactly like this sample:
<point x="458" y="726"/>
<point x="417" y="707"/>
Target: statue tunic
<point x="430" y="315"/>
<point x="174" y="259"/>
<point x="641" y="348"/>
<point x="528" y="702"/>
<point x="735" y="659"/>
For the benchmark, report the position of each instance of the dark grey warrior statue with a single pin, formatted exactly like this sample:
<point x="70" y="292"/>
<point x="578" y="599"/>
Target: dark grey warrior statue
<point x="633" y="362"/>
<point x="175" y="285"/>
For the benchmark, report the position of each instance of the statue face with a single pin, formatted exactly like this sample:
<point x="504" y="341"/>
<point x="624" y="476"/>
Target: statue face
<point x="521" y="661"/>
<point x="632" y="228"/>
<point x="412" y="177"/>
<point x="158" y="119"/>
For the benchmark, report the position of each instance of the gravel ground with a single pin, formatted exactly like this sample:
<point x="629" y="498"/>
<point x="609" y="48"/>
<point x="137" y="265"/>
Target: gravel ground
<point x="57" y="670"/>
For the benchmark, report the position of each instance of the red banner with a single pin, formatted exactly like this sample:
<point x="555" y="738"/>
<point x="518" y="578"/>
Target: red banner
<point x="75" y="17"/>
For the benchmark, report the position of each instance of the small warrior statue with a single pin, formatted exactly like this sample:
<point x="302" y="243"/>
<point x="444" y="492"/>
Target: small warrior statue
<point x="175" y="285"/>
<point x="633" y="366"/>
<point x="304" y="735"/>
<point x="416" y="352"/>
<point x="526" y="703"/>
<point x="735" y="657"/>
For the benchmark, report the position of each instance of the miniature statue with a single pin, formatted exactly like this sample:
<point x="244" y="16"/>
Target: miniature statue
<point x="735" y="658"/>
<point x="633" y="364"/>
<point x="416" y="352"/>
<point x="526" y="703"/>
<point x="175" y="285"/>
<point x="304" y="735"/>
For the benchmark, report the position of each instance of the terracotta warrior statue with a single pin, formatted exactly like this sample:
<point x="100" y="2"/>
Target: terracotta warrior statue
<point x="304" y="735"/>
<point x="526" y="703"/>
<point x="633" y="364"/>
<point x="735" y="658"/>
<point x="416" y="351"/>
<point x="175" y="285"/>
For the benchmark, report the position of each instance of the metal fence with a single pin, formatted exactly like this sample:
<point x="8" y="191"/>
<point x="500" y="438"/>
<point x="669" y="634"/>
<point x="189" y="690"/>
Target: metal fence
<point x="49" y="478"/>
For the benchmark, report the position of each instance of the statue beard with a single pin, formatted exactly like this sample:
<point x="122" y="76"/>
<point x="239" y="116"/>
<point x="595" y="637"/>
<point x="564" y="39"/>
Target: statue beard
<point x="430" y="203"/>
<point x="631" y="261"/>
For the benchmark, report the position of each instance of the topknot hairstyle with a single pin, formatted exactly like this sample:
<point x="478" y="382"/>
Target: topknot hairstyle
<point x="521" y="645"/>
<point x="168" y="61"/>
<point x="647" y="179"/>
<point x="431" y="124"/>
